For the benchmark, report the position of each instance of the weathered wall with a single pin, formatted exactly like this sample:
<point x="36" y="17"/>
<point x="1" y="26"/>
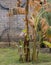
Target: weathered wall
<point x="16" y="22"/>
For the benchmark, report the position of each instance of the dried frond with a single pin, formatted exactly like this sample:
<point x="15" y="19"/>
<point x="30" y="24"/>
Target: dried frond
<point x="16" y="11"/>
<point x="44" y="24"/>
<point x="37" y="6"/>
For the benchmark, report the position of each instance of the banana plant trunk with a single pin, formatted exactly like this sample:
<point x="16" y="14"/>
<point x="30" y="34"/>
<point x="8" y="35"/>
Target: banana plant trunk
<point x="26" y="41"/>
<point x="34" y="55"/>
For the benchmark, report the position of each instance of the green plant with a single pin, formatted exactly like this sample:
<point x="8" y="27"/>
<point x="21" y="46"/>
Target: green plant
<point x="36" y="21"/>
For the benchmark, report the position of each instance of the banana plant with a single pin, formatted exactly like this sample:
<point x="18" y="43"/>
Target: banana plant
<point x="36" y="22"/>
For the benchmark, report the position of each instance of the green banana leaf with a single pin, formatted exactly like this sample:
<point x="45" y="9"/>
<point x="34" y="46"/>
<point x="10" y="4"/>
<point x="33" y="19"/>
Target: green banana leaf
<point x="47" y="43"/>
<point x="49" y="32"/>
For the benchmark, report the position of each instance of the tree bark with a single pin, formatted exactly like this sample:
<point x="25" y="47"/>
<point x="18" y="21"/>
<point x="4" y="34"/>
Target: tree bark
<point x="26" y="41"/>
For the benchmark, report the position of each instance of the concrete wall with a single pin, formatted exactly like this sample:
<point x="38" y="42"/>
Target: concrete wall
<point x="16" y="22"/>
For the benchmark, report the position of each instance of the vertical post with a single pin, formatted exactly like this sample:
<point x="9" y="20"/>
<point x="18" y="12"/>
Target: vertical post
<point x="8" y="38"/>
<point x="26" y="41"/>
<point x="8" y="32"/>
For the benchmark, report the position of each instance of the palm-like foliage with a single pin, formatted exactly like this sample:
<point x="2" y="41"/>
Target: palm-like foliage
<point x="36" y="21"/>
<point x="49" y="32"/>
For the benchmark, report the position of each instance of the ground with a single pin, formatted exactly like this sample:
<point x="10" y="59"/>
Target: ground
<point x="10" y="56"/>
